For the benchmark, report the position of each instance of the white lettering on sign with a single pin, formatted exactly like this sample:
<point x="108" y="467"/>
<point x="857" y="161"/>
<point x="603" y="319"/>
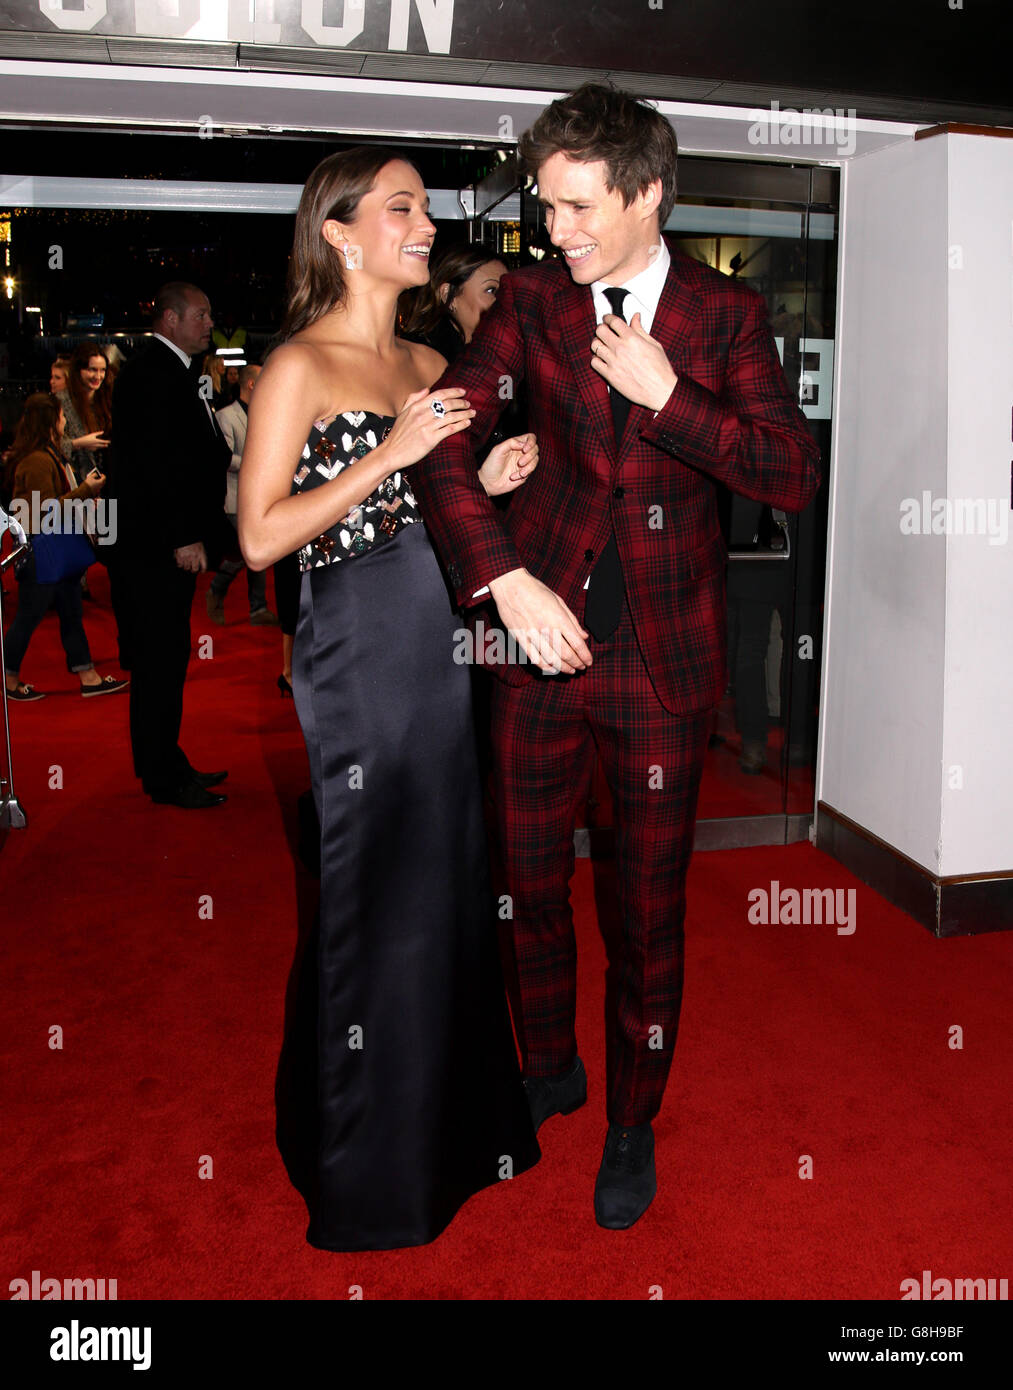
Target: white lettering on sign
<point x="815" y="384"/>
<point x="251" y="21"/>
<point x="175" y="20"/>
<point x="437" y="18"/>
<point x="246" y="24"/>
<point x="83" y="17"/>
<point x="242" y="21"/>
<point x="333" y="35"/>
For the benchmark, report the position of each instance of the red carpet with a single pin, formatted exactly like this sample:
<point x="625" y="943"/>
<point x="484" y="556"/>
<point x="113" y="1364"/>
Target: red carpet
<point x="794" y="1041"/>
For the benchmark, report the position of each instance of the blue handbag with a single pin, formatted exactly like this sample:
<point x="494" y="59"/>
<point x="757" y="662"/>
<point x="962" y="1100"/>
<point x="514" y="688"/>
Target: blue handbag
<point x="62" y="555"/>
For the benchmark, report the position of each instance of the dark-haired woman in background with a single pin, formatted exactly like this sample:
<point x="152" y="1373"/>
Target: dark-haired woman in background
<point x="445" y="312"/>
<point x="40" y="471"/>
<point x="87" y="408"/>
<point x="399" y="1092"/>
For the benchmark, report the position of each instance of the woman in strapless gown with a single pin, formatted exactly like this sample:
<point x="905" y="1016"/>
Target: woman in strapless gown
<point x="398" y="1089"/>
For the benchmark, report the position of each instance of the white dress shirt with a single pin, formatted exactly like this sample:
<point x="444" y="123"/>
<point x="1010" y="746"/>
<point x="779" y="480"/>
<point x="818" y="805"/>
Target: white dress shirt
<point x="177" y="350"/>
<point x="643" y="290"/>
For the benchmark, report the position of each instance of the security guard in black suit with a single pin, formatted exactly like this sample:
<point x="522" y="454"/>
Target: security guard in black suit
<point x="167" y="474"/>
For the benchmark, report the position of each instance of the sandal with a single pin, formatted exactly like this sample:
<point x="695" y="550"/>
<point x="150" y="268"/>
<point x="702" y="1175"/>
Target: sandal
<point x="25" y="693"/>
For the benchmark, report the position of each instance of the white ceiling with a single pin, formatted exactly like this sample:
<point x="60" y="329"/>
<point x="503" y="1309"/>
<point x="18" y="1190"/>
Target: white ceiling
<point x="183" y="98"/>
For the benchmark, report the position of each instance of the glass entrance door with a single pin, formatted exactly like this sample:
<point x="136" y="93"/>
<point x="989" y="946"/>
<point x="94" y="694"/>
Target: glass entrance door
<point x="774" y="227"/>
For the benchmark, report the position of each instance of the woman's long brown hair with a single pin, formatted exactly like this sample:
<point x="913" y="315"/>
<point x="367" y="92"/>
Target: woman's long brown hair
<point x="36" y="429"/>
<point x="316" y="282"/>
<point x="98" y="414"/>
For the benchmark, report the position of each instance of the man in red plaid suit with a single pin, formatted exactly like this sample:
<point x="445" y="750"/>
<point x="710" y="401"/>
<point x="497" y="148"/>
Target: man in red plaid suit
<point x="651" y="378"/>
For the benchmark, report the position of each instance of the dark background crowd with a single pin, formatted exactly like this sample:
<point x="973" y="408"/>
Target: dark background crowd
<point x="59" y="438"/>
<point x="94" y="271"/>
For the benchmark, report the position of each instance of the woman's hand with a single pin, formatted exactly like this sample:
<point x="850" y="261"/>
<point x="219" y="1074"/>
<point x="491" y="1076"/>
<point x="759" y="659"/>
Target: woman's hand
<point x="94" y="482"/>
<point x="90" y="441"/>
<point x="507" y="466"/>
<point x="417" y="430"/>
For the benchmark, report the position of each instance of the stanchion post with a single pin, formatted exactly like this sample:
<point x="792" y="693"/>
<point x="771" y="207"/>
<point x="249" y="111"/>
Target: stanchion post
<point x="12" y="815"/>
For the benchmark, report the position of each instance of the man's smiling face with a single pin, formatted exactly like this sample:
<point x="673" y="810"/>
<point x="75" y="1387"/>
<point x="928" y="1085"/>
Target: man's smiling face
<point x="601" y="239"/>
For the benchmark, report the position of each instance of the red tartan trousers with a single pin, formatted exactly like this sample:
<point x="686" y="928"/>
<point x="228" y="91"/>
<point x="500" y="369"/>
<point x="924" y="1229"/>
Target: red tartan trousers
<point x="543" y="734"/>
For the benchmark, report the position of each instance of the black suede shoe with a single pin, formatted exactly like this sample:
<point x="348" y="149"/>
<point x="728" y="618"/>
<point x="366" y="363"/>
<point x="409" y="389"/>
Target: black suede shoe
<point x="192" y="797"/>
<point x="556" y="1095"/>
<point x="207" y="779"/>
<point x="626" y="1179"/>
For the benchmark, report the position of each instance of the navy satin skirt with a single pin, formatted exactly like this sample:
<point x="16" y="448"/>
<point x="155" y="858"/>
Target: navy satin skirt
<point x="398" y="1092"/>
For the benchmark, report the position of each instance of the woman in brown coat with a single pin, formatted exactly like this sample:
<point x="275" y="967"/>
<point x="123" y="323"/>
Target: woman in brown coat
<point x="40" y="472"/>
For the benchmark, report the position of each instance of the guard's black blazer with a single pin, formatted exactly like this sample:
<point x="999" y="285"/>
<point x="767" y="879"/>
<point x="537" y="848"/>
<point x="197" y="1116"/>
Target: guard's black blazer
<point x="168" y="461"/>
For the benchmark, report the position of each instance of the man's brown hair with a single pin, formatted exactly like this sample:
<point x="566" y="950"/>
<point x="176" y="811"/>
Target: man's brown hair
<point x="636" y="143"/>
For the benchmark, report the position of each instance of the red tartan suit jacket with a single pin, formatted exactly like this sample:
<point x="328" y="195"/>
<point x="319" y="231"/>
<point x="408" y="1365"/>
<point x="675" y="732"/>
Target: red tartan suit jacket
<point x="731" y="418"/>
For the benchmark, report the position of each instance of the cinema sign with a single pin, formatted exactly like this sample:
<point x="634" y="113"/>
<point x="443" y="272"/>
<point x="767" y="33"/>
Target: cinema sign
<point x="373" y="25"/>
<point x="950" y="53"/>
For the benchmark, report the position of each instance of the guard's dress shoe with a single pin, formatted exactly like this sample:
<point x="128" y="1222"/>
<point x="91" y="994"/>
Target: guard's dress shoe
<point x="556" y="1095"/>
<point x="208" y="779"/>
<point x="626" y="1179"/>
<point x="191" y="796"/>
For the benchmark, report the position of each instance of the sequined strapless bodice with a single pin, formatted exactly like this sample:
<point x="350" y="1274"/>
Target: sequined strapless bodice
<point x="337" y="443"/>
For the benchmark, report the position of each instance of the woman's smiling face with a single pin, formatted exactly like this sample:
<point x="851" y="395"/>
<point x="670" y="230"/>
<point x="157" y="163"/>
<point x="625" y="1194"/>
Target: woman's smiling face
<point x="94" y="373"/>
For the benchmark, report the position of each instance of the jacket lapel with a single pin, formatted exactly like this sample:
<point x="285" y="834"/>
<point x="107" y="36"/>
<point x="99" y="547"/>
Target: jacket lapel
<point x="675" y="320"/>
<point x="678" y="315"/>
<point x="574" y="312"/>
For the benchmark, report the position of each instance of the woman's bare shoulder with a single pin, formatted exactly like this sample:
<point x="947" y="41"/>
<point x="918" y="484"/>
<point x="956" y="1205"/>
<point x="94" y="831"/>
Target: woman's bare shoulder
<point x="428" y="363"/>
<point x="297" y="367"/>
<point x="295" y="356"/>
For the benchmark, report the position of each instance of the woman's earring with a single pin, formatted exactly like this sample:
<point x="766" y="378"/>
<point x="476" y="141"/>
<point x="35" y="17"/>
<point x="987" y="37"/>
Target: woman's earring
<point x="352" y="260"/>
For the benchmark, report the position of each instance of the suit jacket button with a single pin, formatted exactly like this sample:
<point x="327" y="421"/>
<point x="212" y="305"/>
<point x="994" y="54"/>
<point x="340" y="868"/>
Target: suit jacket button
<point x="589" y="555"/>
<point x="619" y="492"/>
<point x="454" y="572"/>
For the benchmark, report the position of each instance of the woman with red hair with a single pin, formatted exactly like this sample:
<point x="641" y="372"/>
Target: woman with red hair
<point x="87" y="407"/>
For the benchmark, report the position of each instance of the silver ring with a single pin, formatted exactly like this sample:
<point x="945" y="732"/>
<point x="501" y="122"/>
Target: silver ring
<point x="438" y="408"/>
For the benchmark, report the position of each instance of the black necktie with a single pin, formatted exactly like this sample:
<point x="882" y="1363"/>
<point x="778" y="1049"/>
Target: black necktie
<point x="604" y="603"/>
